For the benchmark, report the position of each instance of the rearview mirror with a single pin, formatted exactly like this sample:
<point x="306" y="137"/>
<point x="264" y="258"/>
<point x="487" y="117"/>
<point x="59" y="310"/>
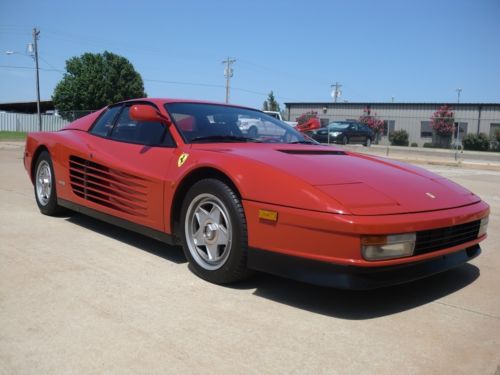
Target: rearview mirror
<point x="146" y="113"/>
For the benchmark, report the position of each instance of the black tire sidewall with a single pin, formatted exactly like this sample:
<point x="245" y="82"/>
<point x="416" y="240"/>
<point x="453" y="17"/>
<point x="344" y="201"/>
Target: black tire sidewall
<point x="235" y="266"/>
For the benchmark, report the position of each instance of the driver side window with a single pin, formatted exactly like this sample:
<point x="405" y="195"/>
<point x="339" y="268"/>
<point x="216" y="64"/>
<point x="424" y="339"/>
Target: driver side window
<point x="144" y="133"/>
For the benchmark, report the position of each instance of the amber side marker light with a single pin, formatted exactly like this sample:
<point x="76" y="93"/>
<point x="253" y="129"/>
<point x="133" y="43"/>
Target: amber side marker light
<point x="268" y="215"/>
<point x="388" y="246"/>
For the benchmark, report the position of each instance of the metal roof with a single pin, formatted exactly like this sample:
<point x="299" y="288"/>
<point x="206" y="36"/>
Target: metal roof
<point x="395" y="104"/>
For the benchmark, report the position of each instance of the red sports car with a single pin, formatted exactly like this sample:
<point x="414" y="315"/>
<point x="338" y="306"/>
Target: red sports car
<point x="185" y="172"/>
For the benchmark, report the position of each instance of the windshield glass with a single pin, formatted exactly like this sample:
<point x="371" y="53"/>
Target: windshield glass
<point x="204" y="123"/>
<point x="338" y="125"/>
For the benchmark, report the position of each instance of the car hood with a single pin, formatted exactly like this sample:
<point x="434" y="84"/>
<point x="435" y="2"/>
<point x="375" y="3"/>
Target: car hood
<point x="364" y="185"/>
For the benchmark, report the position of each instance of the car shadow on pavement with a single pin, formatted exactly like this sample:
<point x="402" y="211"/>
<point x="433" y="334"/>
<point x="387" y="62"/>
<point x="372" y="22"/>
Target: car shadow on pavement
<point x="360" y="305"/>
<point x="158" y="248"/>
<point x="342" y="304"/>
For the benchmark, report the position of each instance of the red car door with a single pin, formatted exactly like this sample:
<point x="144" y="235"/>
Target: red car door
<point x="124" y="172"/>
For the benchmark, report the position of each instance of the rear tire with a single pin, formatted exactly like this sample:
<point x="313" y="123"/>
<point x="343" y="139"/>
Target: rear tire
<point x="368" y="142"/>
<point x="45" y="186"/>
<point x="214" y="232"/>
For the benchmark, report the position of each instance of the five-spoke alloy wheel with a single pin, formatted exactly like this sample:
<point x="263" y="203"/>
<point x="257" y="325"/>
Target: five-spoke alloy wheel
<point x="214" y="233"/>
<point x="208" y="231"/>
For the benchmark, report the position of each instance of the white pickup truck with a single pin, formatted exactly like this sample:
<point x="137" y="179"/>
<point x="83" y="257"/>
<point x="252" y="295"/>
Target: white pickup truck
<point x="277" y="115"/>
<point x="255" y="127"/>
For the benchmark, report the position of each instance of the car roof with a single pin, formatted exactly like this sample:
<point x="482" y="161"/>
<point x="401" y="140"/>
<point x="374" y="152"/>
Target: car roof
<point x="161" y="101"/>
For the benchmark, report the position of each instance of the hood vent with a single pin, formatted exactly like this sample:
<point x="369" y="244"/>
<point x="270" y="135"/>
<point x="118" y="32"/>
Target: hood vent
<point x="312" y="152"/>
<point x="108" y="187"/>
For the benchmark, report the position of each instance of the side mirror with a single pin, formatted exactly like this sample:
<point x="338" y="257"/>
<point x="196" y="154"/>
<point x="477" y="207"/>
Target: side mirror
<point x="146" y="113"/>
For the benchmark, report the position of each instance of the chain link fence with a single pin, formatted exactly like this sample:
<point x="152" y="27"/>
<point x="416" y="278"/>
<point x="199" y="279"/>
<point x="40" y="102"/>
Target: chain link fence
<point x="22" y="122"/>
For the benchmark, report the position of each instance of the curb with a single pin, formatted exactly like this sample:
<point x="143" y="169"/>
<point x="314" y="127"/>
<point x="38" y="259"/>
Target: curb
<point x="456" y="164"/>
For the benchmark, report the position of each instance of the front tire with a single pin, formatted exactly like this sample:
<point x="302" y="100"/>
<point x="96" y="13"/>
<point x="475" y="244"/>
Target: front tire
<point x="345" y="140"/>
<point x="45" y="186"/>
<point x="214" y="232"/>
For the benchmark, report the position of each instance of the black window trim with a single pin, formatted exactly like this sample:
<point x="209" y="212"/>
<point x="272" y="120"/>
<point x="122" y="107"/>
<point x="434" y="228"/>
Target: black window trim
<point x="100" y="116"/>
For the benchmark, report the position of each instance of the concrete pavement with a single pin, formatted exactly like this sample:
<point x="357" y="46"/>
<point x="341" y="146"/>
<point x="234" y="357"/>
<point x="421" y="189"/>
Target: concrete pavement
<point x="80" y="296"/>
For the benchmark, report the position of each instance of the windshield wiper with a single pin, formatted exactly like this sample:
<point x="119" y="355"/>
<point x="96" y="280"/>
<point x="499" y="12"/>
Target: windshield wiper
<point x="223" y="138"/>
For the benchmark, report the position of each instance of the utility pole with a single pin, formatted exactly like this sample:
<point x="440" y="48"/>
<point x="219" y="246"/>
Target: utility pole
<point x="336" y="91"/>
<point x="228" y="73"/>
<point x="459" y="91"/>
<point x="36" y="33"/>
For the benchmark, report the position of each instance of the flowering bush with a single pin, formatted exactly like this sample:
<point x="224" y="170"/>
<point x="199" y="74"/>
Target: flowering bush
<point x="443" y="120"/>
<point x="370" y="120"/>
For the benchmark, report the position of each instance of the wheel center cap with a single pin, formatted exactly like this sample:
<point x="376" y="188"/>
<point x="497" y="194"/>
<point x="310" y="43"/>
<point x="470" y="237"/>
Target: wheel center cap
<point x="211" y="231"/>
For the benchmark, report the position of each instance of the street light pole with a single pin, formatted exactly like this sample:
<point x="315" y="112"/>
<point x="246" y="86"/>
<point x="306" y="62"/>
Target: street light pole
<point x="36" y="33"/>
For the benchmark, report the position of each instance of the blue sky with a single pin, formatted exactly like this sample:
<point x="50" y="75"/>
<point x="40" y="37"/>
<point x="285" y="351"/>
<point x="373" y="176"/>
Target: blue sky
<point x="410" y="50"/>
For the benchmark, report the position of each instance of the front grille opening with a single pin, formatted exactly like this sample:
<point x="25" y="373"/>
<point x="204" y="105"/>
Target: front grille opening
<point x="443" y="238"/>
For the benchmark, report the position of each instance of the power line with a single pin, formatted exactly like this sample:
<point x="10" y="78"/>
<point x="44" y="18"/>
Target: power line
<point x="30" y="68"/>
<point x="49" y="64"/>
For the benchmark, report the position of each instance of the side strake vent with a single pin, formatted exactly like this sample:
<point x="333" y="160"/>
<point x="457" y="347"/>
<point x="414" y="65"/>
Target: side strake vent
<point x="108" y="187"/>
<point x="312" y="152"/>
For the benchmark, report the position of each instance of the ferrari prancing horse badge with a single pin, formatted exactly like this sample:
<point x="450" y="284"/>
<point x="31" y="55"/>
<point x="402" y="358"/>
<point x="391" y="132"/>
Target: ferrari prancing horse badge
<point x="182" y="159"/>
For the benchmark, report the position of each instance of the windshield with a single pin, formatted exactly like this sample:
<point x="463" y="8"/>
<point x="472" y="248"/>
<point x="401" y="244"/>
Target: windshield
<point x="204" y="123"/>
<point x="338" y="125"/>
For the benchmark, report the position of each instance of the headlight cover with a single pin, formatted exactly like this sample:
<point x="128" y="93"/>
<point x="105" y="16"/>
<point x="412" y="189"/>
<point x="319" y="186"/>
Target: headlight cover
<point x="388" y="247"/>
<point x="483" y="226"/>
<point x="335" y="134"/>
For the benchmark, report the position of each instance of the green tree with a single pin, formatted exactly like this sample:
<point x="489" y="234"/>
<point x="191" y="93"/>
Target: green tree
<point x="95" y="80"/>
<point x="271" y="104"/>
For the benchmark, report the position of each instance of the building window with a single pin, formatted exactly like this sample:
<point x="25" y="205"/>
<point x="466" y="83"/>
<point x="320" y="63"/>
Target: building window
<point x="494" y="129"/>
<point x="463" y="129"/>
<point x="389" y="126"/>
<point x="425" y="129"/>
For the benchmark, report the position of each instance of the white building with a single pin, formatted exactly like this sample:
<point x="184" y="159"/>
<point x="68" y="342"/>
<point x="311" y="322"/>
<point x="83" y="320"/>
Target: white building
<point x="415" y="118"/>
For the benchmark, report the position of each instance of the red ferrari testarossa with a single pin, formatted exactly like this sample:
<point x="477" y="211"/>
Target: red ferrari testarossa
<point x="272" y="200"/>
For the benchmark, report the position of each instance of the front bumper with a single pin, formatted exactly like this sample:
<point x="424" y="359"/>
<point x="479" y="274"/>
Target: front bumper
<point x="353" y="277"/>
<point x="336" y="239"/>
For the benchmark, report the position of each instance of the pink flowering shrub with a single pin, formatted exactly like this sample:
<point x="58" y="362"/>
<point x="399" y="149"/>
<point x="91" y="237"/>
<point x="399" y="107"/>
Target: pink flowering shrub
<point x="371" y="121"/>
<point x="443" y="120"/>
